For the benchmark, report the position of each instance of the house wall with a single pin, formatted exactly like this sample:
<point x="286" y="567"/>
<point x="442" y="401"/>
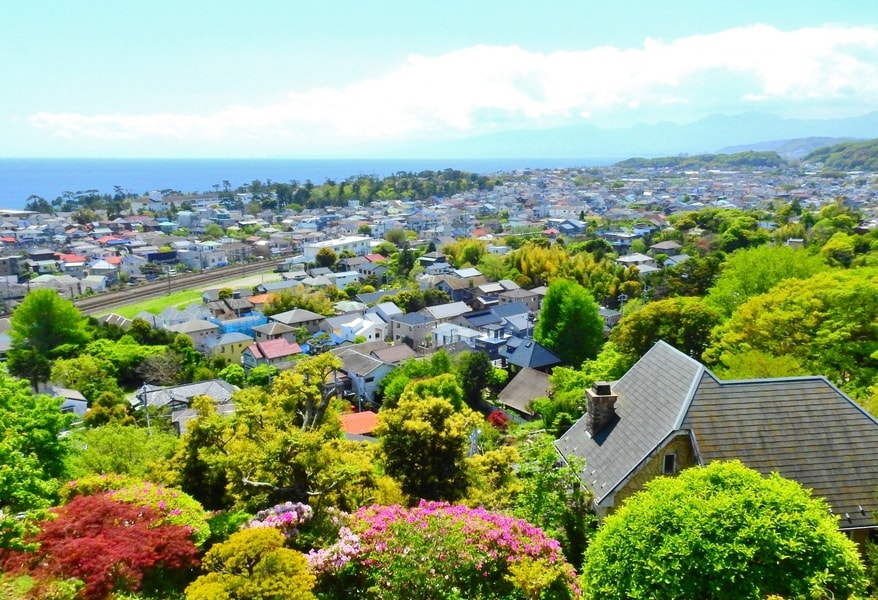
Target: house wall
<point x="654" y="467"/>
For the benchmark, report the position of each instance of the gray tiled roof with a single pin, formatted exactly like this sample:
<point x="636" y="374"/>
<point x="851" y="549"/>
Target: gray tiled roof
<point x="802" y="428"/>
<point x="650" y="397"/>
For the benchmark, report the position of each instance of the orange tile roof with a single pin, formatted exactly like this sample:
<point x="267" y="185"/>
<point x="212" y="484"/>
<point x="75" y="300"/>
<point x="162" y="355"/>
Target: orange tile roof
<point x="359" y="423"/>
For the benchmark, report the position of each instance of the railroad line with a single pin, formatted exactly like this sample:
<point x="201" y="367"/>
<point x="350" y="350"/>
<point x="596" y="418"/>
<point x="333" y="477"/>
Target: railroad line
<point x="165" y="285"/>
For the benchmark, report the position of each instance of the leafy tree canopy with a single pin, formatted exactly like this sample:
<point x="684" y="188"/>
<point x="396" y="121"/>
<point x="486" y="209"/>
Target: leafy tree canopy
<point x="44" y="327"/>
<point x="569" y="322"/>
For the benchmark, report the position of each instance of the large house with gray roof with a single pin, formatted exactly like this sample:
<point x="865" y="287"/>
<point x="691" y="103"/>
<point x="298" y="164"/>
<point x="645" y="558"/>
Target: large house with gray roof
<point x="669" y="412"/>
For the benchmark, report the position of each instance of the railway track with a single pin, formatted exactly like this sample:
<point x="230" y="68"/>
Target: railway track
<point x="167" y="285"/>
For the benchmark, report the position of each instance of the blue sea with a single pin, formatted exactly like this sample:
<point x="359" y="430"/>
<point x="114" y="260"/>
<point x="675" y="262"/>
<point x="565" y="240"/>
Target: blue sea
<point x="50" y="178"/>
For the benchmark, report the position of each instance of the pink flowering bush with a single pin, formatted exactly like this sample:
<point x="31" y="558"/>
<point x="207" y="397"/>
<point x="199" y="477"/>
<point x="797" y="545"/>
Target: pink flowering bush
<point x="440" y="551"/>
<point x="285" y="517"/>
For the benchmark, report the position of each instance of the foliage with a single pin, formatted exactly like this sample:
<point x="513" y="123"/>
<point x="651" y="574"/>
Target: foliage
<point x="32" y="453"/>
<point x="569" y="323"/>
<point x="109" y="409"/>
<point x="122" y="449"/>
<point x="261" y="375"/>
<point x="436" y="551"/>
<point x="111" y="546"/>
<point x="847" y="156"/>
<point x="737" y="160"/>
<point x="828" y="325"/>
<point x="551" y="495"/>
<point x="86" y="374"/>
<point x="685" y="323"/>
<point x="253" y="564"/>
<point x="44" y="327"/>
<point x="171" y="506"/>
<point x="474" y="370"/>
<point x="326" y="257"/>
<point x="288" y="299"/>
<point x="394" y="383"/>
<point x="754" y="271"/>
<point x="233" y="374"/>
<point x="424" y="442"/>
<point x="723" y="531"/>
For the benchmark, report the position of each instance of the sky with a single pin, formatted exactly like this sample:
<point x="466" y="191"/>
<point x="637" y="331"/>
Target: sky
<point x="343" y="78"/>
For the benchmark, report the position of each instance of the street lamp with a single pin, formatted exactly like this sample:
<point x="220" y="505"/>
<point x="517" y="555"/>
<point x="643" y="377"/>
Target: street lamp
<point x="622" y="298"/>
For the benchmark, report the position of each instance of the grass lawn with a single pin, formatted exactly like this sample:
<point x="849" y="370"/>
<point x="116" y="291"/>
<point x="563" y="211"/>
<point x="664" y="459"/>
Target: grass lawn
<point x="180" y="299"/>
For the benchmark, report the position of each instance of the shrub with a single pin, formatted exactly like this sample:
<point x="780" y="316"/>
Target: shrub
<point x="253" y="564"/>
<point x="439" y="551"/>
<point x="111" y="546"/>
<point x="174" y="507"/>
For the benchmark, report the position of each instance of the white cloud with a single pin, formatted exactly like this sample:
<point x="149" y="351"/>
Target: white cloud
<point x="825" y="71"/>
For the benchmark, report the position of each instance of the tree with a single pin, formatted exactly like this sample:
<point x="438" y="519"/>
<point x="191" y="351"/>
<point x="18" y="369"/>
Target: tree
<point x="32" y="453"/>
<point x="722" y="531"/>
<point x="569" y="322"/>
<point x="424" y="443"/>
<point x="474" y="373"/>
<point x="827" y="323"/>
<point x="325" y="257"/>
<point x="684" y="323"/>
<point x="120" y="449"/>
<point x="253" y="563"/>
<point x="754" y="271"/>
<point x="111" y="546"/>
<point x="44" y="327"/>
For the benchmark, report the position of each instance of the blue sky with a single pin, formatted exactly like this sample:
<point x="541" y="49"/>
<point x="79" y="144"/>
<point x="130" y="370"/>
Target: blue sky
<point x="255" y="78"/>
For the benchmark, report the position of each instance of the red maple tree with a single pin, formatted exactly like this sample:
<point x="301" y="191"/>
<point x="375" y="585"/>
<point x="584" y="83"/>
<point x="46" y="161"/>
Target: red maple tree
<point x="111" y="546"/>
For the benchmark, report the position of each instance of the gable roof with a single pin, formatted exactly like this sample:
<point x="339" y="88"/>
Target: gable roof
<point x="802" y="428"/>
<point x="527" y="385"/>
<point x="361" y="423"/>
<point x="530" y="353"/>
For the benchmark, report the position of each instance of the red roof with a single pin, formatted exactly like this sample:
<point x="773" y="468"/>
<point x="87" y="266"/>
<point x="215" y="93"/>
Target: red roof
<point x="107" y="239"/>
<point x="114" y="260"/>
<point x="360" y="423"/>
<point x="71" y="258"/>
<point x="8" y="240"/>
<point x="272" y="349"/>
<point x="375" y="258"/>
<point x="260" y="298"/>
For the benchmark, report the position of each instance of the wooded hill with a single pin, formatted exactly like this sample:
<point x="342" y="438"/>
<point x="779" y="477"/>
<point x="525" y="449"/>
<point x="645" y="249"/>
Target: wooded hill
<point x="739" y="160"/>
<point x="847" y="156"/>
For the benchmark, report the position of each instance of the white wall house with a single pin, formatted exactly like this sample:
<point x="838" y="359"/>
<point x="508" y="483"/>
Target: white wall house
<point x="358" y="245"/>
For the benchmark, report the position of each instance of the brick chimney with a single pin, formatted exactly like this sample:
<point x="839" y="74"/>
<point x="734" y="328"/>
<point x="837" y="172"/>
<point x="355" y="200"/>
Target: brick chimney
<point x="600" y="407"/>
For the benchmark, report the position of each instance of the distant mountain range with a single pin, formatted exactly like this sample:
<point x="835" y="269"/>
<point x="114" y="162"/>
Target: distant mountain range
<point x="791" y="138"/>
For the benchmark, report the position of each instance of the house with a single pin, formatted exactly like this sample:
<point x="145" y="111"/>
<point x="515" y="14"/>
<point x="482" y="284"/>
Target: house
<point x="442" y="313"/>
<point x="357" y="245"/>
<point x="412" y="329"/>
<point x="198" y="330"/>
<point x="526" y="352"/>
<point x="274" y="330"/>
<point x="669" y="412"/>
<point x="359" y="423"/>
<point x="278" y="353"/>
<point x="364" y="371"/>
<point x="299" y="317"/>
<point x="527" y="385"/>
<point x="228" y="346"/>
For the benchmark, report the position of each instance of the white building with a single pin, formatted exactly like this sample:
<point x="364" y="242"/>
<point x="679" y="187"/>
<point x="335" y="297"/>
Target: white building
<point x="358" y="245"/>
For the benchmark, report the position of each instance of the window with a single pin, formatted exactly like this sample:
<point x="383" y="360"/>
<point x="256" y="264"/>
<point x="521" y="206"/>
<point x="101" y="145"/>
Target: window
<point x="670" y="464"/>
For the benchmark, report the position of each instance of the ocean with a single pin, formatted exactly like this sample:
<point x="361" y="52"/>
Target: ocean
<point x="21" y="178"/>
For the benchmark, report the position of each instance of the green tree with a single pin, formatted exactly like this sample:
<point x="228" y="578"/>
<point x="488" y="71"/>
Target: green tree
<point x="32" y="453"/>
<point x="474" y="373"/>
<point x="723" y="531"/>
<point x="684" y="323"/>
<point x="569" y="322"/>
<point x="754" y="271"/>
<point x="44" y="327"/>
<point x="827" y="323"/>
<point x="118" y="449"/>
<point x="326" y="257"/>
<point x="424" y="444"/>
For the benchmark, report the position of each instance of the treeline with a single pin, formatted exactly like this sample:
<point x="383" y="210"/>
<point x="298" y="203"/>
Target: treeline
<point x="847" y="156"/>
<point x="739" y="160"/>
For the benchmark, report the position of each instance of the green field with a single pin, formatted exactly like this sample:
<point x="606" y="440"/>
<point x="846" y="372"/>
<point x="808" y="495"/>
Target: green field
<point x="180" y="300"/>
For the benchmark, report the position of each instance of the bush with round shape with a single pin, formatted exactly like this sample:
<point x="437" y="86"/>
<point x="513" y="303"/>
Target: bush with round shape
<point x="722" y="532"/>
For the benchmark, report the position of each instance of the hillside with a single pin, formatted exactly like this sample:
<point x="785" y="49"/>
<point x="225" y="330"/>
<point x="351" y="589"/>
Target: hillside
<point x="740" y="160"/>
<point x="794" y="149"/>
<point x="848" y="156"/>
